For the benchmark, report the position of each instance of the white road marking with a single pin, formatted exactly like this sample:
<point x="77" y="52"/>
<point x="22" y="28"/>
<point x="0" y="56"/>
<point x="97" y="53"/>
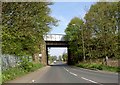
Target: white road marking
<point x="82" y="77"/>
<point x="70" y="72"/>
<point x="66" y="69"/>
<point x="89" y="80"/>
<point x="73" y="74"/>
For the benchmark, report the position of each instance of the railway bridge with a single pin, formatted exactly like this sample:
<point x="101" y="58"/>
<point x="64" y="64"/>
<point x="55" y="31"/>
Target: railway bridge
<point x="54" y="40"/>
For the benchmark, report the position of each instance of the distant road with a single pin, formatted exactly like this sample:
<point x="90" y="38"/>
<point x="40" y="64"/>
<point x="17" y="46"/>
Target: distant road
<point x="62" y="73"/>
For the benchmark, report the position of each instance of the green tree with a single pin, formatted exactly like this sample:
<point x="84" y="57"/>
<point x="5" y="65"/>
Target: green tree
<point x="60" y="57"/>
<point x="24" y="24"/>
<point x="99" y="34"/>
<point x="65" y="57"/>
<point x="102" y="19"/>
<point x="53" y="58"/>
<point x="74" y="36"/>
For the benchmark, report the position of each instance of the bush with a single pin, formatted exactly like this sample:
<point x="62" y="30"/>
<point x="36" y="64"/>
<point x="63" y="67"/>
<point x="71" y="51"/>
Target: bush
<point x="80" y="65"/>
<point x="12" y="73"/>
<point x="118" y="70"/>
<point x="98" y="66"/>
<point x="36" y="66"/>
<point x="20" y="70"/>
<point x="26" y="65"/>
<point x="110" y="68"/>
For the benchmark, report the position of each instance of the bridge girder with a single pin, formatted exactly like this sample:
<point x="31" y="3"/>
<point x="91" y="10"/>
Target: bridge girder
<point x="56" y="43"/>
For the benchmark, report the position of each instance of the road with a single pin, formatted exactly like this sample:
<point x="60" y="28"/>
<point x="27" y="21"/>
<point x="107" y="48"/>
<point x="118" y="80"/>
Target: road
<point x="62" y="73"/>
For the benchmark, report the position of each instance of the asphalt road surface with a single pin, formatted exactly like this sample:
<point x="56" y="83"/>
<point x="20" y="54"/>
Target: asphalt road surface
<point x="62" y="73"/>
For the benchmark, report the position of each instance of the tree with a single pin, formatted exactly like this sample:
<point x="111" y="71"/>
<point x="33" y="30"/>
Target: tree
<point x="53" y="58"/>
<point x="99" y="33"/>
<point x="60" y="57"/>
<point x="102" y="18"/>
<point x="24" y="24"/>
<point x="74" y="36"/>
<point x="64" y="56"/>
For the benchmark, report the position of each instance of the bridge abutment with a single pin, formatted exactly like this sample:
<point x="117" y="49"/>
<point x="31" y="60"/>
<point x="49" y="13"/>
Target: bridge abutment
<point x="44" y="54"/>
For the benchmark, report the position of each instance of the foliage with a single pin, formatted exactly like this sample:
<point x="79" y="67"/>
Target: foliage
<point x="24" y="24"/>
<point x="102" y="21"/>
<point x="95" y="66"/>
<point x="0" y="77"/>
<point x="26" y="65"/>
<point x="65" y="56"/>
<point x="52" y="58"/>
<point x="60" y="57"/>
<point x="74" y="36"/>
<point x="97" y="35"/>
<point x="12" y="73"/>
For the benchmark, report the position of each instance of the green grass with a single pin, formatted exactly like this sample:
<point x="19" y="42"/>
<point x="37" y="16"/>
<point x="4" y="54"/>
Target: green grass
<point x="0" y="72"/>
<point x="12" y="73"/>
<point x="94" y="66"/>
<point x="0" y="78"/>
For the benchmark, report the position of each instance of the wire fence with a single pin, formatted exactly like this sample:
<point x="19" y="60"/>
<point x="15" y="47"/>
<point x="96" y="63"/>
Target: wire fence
<point x="9" y="61"/>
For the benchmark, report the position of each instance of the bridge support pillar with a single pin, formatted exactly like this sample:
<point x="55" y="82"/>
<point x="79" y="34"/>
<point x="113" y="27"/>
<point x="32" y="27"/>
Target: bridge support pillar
<point x="43" y="52"/>
<point x="47" y="55"/>
<point x="69" y="62"/>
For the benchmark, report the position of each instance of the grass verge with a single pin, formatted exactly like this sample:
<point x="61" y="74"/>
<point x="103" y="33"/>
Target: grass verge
<point x="0" y="77"/>
<point x="18" y="71"/>
<point x="94" y="66"/>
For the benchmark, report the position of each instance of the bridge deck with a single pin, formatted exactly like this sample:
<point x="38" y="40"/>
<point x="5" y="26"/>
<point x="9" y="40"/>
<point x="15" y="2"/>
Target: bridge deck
<point x="54" y="37"/>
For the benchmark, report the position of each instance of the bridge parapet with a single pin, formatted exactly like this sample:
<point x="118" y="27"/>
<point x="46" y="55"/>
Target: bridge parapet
<point x="54" y="37"/>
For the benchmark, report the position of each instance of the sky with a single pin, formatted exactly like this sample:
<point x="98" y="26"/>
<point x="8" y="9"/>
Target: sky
<point x="64" y="12"/>
<point x="57" y="51"/>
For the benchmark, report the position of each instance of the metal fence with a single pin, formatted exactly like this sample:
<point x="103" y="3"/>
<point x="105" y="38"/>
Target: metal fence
<point x="9" y="61"/>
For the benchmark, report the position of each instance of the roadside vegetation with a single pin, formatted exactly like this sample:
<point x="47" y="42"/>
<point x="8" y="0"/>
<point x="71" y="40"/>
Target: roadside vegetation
<point x="23" y="27"/>
<point x="0" y="76"/>
<point x="96" y="66"/>
<point x="65" y="57"/>
<point x="51" y="59"/>
<point x="96" y="37"/>
<point x="20" y="70"/>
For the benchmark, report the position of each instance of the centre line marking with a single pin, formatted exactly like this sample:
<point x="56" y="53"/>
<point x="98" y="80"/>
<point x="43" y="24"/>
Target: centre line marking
<point x="70" y="72"/>
<point x="66" y="69"/>
<point x="73" y="74"/>
<point x="89" y="80"/>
